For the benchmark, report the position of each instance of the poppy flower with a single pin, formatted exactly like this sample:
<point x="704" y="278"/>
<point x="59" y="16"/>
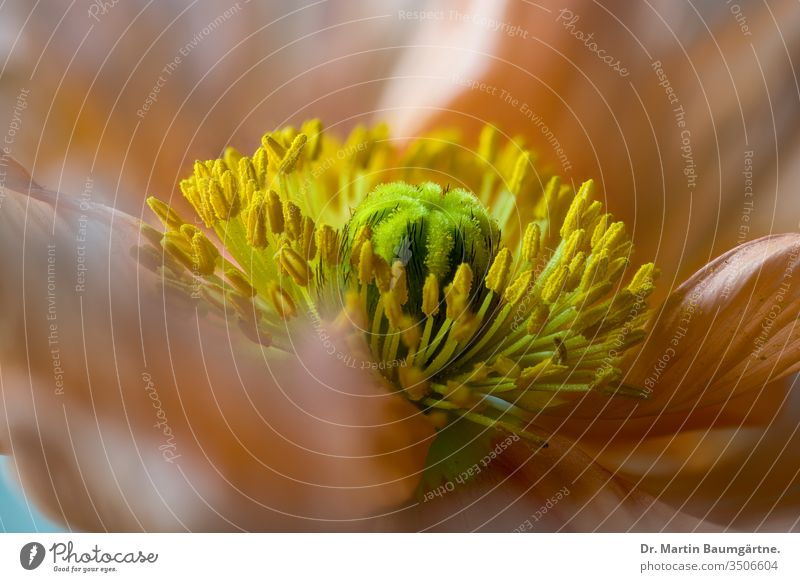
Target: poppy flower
<point x="304" y="365"/>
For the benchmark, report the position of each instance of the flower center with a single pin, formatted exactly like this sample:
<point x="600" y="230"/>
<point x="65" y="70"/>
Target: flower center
<point x="489" y="302"/>
<point x="425" y="231"/>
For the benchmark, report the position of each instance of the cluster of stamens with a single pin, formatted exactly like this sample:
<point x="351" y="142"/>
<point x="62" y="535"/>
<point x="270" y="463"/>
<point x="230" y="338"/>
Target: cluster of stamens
<point x="490" y="300"/>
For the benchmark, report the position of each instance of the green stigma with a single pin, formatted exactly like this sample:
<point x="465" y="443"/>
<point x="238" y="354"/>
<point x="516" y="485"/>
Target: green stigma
<point x="489" y="302"/>
<point x="426" y="230"/>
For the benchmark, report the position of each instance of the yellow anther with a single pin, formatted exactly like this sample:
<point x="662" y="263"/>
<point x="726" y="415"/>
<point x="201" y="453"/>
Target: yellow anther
<point x="246" y="170"/>
<point x="257" y="222"/>
<point x="399" y="282"/>
<point x="382" y="272"/>
<point x="617" y="267"/>
<point x="592" y="216"/>
<point x="293" y="265"/>
<point x="260" y="165"/>
<point x="275" y="213"/>
<point x="152" y="235"/>
<point x="575" y="218"/>
<point x="462" y="281"/>
<point x="328" y="244"/>
<point x="246" y="310"/>
<point x="191" y="247"/>
<point x="165" y="214"/>
<point x="217" y="168"/>
<point x="551" y="195"/>
<point x="357" y="145"/>
<point x="547" y="369"/>
<point x="364" y="234"/>
<point x="555" y="284"/>
<point x="573" y="244"/>
<point x="576" y="268"/>
<point x="274" y="150"/>
<point x="414" y="382"/>
<point x="239" y="281"/>
<point x="430" y="296"/>
<point x="293" y="220"/>
<point x="179" y="247"/>
<point x="487" y="144"/>
<point x="600" y="229"/>
<point x="506" y="367"/>
<point x="438" y="419"/>
<point x="230" y="187"/>
<point x="499" y="271"/>
<point x="459" y="394"/>
<point x="595" y="271"/>
<point x="222" y="208"/>
<point x="352" y="313"/>
<point x="231" y="158"/>
<point x="188" y="231"/>
<point x="192" y="193"/>
<point x="313" y="129"/>
<point x="521" y="170"/>
<point x="392" y="309"/>
<point x="531" y="243"/>
<point x="456" y="303"/>
<point x="248" y="193"/>
<point x="365" y="263"/>
<point x="204" y="253"/>
<point x="288" y="133"/>
<point x="612" y="238"/>
<point x="201" y="170"/>
<point x="410" y="332"/>
<point x="537" y="318"/>
<point x="643" y="281"/>
<point x="465" y="326"/>
<point x="282" y="302"/>
<point x="519" y="287"/>
<point x="292" y="154"/>
<point x="308" y="241"/>
<point x="457" y="293"/>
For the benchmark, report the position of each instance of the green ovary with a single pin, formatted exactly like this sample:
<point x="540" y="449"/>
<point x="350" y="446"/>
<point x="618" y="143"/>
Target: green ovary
<point x="427" y="229"/>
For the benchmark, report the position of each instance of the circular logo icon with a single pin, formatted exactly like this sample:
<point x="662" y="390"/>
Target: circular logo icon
<point x="31" y="555"/>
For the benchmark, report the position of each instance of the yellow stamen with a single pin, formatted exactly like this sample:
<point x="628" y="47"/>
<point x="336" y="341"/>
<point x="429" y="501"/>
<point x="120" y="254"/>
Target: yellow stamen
<point x="498" y="273"/>
<point x="165" y="214"/>
<point x="282" y="302"/>
<point x="293" y="220"/>
<point x="430" y="296"/>
<point x="327" y="243"/>
<point x="293" y="265"/>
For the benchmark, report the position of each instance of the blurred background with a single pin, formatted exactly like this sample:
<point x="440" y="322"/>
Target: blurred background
<point x="686" y="113"/>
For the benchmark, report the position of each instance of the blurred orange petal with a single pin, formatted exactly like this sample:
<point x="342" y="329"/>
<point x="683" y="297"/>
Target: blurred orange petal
<point x="559" y="488"/>
<point x="127" y="407"/>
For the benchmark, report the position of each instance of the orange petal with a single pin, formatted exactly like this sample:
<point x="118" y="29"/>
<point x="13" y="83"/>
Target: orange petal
<point x="128" y="407"/>
<point x="130" y="104"/>
<point x="559" y="488"/>
<point x="730" y="329"/>
<point x="744" y="477"/>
